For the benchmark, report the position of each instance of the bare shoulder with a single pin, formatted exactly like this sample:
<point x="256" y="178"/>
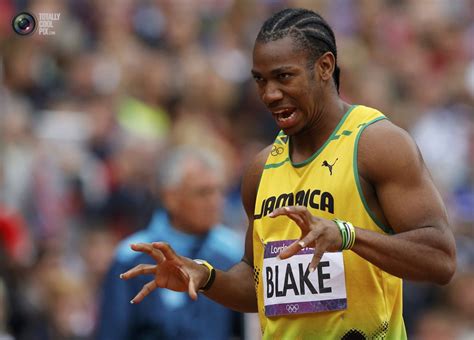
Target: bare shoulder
<point x="386" y="151"/>
<point x="251" y="179"/>
<point x="390" y="161"/>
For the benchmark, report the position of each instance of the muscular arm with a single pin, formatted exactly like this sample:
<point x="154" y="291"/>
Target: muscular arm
<point x="404" y="196"/>
<point x="422" y="247"/>
<point x="235" y="288"/>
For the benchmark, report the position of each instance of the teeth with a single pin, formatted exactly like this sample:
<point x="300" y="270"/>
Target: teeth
<point x="282" y="119"/>
<point x="281" y="111"/>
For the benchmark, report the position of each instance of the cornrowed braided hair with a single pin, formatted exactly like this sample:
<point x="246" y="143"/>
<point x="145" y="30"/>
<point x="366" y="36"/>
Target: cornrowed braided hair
<point x="308" y="29"/>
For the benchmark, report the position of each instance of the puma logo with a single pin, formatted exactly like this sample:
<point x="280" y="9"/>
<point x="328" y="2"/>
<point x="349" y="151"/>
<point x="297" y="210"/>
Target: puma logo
<point x="325" y="163"/>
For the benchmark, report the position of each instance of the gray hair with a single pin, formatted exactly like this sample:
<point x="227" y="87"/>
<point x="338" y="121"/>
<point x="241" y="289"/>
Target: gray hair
<point x="171" y="167"/>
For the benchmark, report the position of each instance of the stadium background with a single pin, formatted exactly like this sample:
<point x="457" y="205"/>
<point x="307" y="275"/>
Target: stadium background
<point x="85" y="112"/>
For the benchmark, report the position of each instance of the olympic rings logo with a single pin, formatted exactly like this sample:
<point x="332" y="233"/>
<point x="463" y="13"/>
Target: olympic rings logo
<point x="292" y="308"/>
<point x="276" y="150"/>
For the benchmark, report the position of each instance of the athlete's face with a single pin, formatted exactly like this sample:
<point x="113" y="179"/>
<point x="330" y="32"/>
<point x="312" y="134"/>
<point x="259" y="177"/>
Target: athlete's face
<point x="195" y="204"/>
<point x="286" y="84"/>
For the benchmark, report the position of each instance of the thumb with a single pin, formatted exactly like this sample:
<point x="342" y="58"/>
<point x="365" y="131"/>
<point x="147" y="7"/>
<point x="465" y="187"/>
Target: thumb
<point x="192" y="291"/>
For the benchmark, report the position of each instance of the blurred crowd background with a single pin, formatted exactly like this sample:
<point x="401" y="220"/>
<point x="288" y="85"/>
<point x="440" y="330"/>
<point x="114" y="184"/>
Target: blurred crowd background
<point x="86" y="113"/>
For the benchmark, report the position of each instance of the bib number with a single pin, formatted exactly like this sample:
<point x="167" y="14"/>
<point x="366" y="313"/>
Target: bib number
<point x="289" y="287"/>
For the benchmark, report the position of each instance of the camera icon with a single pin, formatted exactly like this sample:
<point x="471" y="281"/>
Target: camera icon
<point x="24" y="23"/>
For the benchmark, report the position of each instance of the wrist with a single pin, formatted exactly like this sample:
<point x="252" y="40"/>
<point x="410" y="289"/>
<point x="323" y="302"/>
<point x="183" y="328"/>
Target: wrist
<point x="347" y="231"/>
<point x="211" y="275"/>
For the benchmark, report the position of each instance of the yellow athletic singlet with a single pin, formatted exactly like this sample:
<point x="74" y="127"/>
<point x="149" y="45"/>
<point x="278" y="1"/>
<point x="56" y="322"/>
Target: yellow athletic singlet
<point x="346" y="297"/>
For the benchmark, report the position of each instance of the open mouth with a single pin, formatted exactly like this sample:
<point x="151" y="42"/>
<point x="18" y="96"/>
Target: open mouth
<point x="284" y="116"/>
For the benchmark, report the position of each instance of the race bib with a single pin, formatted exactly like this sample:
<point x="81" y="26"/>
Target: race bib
<point x="289" y="287"/>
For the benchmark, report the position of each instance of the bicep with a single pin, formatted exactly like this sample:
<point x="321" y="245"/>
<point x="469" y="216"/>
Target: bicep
<point x="248" y="251"/>
<point x="403" y="185"/>
<point x="250" y="182"/>
<point x="412" y="201"/>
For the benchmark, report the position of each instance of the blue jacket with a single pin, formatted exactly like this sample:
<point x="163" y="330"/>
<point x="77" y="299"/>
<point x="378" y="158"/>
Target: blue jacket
<point x="166" y="314"/>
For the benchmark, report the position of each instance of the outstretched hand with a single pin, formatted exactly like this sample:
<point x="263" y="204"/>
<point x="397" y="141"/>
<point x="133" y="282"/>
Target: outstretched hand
<point x="316" y="232"/>
<point x="171" y="271"/>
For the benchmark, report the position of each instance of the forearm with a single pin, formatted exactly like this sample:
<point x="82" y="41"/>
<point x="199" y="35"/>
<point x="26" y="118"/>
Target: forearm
<point x="420" y="255"/>
<point x="235" y="289"/>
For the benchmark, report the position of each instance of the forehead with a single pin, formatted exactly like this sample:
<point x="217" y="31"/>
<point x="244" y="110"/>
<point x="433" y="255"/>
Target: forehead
<point x="277" y="53"/>
<point x="197" y="173"/>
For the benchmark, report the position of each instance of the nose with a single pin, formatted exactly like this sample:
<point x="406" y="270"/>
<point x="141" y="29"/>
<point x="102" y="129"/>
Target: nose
<point x="271" y="94"/>
<point x="212" y="195"/>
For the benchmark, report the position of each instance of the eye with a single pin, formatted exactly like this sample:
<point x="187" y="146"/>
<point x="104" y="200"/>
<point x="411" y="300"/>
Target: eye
<point x="284" y="76"/>
<point x="257" y="78"/>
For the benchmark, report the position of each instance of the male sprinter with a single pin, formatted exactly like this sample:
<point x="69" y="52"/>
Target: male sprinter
<point x="326" y="250"/>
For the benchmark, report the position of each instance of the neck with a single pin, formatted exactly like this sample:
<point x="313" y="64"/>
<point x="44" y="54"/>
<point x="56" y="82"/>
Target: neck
<point x="181" y="226"/>
<point x="307" y="142"/>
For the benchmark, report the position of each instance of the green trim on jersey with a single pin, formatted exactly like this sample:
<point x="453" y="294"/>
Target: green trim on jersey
<point x="276" y="165"/>
<point x="385" y="228"/>
<point x="331" y="137"/>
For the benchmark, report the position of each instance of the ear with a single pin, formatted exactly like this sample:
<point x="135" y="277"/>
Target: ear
<point x="325" y="66"/>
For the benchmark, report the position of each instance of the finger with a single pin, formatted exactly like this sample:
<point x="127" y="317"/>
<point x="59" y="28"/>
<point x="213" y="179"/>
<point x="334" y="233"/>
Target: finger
<point x="280" y="211"/>
<point x="297" y="213"/>
<point x="298" y="219"/>
<point x="293" y="213"/>
<point x="141" y="269"/>
<point x="150" y="250"/>
<point x="310" y="238"/>
<point x="291" y="250"/>
<point x="303" y="213"/>
<point x="167" y="251"/>
<point x="293" y="209"/>
<point x="147" y="289"/>
<point x="318" y="253"/>
<point x="307" y="216"/>
<point x="299" y="209"/>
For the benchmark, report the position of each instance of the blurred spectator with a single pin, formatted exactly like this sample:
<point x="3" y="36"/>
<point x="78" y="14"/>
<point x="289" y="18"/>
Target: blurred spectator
<point x="190" y="185"/>
<point x="438" y="324"/>
<point x="443" y="135"/>
<point x="4" y="335"/>
<point x="460" y="299"/>
<point x="451" y="318"/>
<point x="15" y="239"/>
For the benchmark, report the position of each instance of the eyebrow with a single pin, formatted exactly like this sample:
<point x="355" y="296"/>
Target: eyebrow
<point x="255" y="73"/>
<point x="275" y="71"/>
<point x="281" y="70"/>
